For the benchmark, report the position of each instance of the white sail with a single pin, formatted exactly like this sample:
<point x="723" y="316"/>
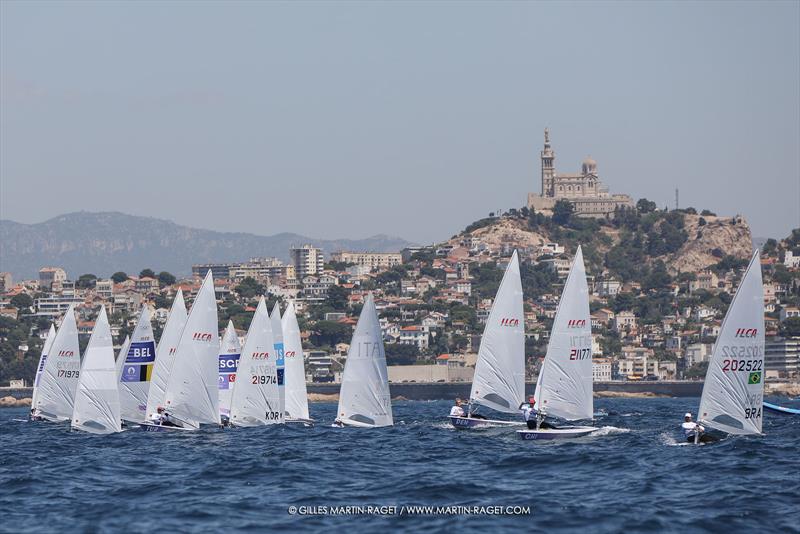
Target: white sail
<point x="255" y="399"/>
<point x="165" y="353"/>
<point x="564" y="386"/>
<point x="229" y="353"/>
<point x="97" y="399"/>
<point x="733" y="392"/>
<point x="55" y="395"/>
<point x="137" y="370"/>
<point x="277" y="338"/>
<point x="120" y="361"/>
<point x="48" y="343"/>
<point x="499" y="381"/>
<point x="192" y="394"/>
<point x="364" y="398"/>
<point x="296" y="405"/>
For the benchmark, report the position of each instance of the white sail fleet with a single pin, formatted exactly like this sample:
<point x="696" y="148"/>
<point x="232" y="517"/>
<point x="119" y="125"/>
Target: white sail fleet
<point x="192" y="378"/>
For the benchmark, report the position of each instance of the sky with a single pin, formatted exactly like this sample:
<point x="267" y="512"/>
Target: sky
<point x="339" y="119"/>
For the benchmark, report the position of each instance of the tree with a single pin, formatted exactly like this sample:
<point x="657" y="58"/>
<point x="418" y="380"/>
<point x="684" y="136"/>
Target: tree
<point x="708" y="213"/>
<point x="770" y="247"/>
<point x="790" y="327"/>
<point x="337" y="297"/>
<point x="562" y="212"/>
<point x="85" y="281"/>
<point x="329" y="333"/>
<point x="645" y="206"/>
<point x="22" y="301"/>
<point x="119" y="277"/>
<point x="147" y="273"/>
<point x="249" y="288"/>
<point x="165" y="279"/>
<point x="399" y="354"/>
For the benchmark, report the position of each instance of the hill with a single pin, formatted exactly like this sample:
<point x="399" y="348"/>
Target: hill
<point x="102" y="243"/>
<point x="627" y="246"/>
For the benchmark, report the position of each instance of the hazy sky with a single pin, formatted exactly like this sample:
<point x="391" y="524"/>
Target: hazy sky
<point x="413" y="119"/>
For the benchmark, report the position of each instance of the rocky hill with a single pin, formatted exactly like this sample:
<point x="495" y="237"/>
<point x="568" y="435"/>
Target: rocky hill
<point x="102" y="243"/>
<point x="684" y="242"/>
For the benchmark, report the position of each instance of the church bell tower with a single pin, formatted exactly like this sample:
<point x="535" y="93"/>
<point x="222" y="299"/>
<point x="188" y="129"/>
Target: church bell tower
<point x="548" y="167"/>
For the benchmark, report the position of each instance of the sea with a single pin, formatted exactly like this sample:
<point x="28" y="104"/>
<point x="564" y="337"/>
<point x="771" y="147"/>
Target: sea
<point x="635" y="475"/>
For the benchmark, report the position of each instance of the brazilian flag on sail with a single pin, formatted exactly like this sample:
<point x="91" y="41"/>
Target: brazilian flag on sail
<point x="754" y="378"/>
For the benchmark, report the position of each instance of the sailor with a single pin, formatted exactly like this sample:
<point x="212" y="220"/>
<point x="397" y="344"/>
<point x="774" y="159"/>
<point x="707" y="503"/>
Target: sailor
<point x="690" y="428"/>
<point x="36" y="415"/>
<point x="157" y="417"/>
<point x="529" y="412"/>
<point x="457" y="410"/>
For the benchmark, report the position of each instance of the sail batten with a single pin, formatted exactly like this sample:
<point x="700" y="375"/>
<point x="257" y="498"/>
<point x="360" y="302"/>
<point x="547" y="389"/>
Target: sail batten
<point x="499" y="380"/>
<point x="733" y="391"/>
<point x="564" y="385"/>
<point x="364" y="398"/>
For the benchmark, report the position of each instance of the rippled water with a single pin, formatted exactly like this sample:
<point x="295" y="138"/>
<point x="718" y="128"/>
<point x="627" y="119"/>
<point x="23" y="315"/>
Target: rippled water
<point x="636" y="476"/>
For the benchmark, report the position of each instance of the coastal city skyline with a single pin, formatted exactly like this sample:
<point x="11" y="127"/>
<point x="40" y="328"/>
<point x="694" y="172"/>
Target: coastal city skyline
<point x="377" y="130"/>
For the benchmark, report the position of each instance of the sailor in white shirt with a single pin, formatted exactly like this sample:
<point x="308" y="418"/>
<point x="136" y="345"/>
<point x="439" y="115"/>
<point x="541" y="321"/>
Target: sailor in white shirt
<point x="690" y="428"/>
<point x="457" y="410"/>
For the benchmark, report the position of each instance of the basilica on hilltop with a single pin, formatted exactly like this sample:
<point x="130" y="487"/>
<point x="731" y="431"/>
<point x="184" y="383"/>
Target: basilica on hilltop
<point x="584" y="190"/>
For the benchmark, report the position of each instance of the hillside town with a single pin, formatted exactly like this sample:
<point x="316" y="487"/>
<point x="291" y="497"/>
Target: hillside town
<point x="649" y="322"/>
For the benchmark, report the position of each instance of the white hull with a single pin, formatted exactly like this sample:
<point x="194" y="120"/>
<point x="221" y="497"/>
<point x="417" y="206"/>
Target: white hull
<point x="472" y="422"/>
<point x="150" y="427"/>
<point x="569" y="432"/>
<point x="300" y="421"/>
<point x="354" y="424"/>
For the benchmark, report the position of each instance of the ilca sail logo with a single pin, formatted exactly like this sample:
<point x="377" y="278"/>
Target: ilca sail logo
<point x="576" y="323"/>
<point x="509" y="321"/>
<point x="746" y="332"/>
<point x="202" y="336"/>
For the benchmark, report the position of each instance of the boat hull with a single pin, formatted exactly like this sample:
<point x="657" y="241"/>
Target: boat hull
<point x="570" y="432"/>
<point x="464" y="423"/>
<point x="781" y="409"/>
<point x="304" y="422"/>
<point x="150" y="427"/>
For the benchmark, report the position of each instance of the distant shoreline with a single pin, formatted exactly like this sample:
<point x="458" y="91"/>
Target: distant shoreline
<point x="17" y="397"/>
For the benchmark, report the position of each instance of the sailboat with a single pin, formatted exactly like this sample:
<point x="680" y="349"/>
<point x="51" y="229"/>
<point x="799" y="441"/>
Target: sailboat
<point x="280" y="363"/>
<point x="55" y="396"/>
<point x="296" y="398"/>
<point x="564" y="386"/>
<point x="255" y="400"/>
<point x="733" y="392"/>
<point x="191" y="397"/>
<point x="364" y="399"/>
<point x="499" y="380"/>
<point x="165" y="353"/>
<point x="97" y="409"/>
<point x="229" y="353"/>
<point x="48" y="343"/>
<point x="138" y="359"/>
